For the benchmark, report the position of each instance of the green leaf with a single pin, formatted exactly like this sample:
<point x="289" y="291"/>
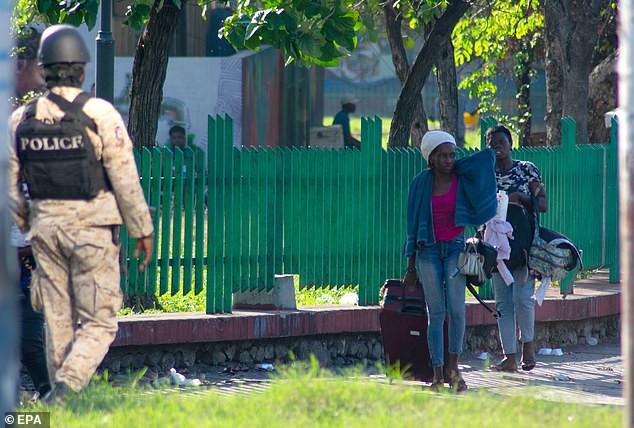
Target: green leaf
<point x="281" y="21"/>
<point x="75" y="8"/>
<point x="135" y="21"/>
<point x="143" y="10"/>
<point x="312" y="9"/>
<point x="53" y="15"/>
<point x="177" y="3"/>
<point x="252" y="30"/>
<point x="310" y="46"/>
<point x="252" y="42"/>
<point x="43" y="6"/>
<point x="74" y="19"/>
<point x="90" y="15"/>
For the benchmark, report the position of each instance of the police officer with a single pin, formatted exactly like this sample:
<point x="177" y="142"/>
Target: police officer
<point x="76" y="158"/>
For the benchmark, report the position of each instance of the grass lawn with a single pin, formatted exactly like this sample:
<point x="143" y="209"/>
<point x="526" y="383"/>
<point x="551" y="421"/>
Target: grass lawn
<point x="314" y="398"/>
<point x="196" y="303"/>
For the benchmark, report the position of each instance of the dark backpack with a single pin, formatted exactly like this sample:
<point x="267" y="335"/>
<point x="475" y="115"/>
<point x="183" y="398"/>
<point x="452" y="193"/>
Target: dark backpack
<point x="523" y="222"/>
<point x="58" y="158"/>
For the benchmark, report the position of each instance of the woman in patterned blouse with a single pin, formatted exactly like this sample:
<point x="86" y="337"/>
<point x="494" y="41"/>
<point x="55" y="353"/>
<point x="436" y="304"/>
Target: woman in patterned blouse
<point x="522" y="182"/>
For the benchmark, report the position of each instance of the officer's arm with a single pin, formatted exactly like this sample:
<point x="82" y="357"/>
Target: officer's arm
<point x="118" y="161"/>
<point x="18" y="203"/>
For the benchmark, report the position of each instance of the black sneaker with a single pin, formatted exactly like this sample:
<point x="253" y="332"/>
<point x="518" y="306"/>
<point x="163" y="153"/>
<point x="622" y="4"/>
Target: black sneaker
<point x="57" y="394"/>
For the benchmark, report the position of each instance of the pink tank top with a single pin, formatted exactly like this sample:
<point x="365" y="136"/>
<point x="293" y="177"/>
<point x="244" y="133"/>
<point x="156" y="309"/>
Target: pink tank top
<point x="443" y="208"/>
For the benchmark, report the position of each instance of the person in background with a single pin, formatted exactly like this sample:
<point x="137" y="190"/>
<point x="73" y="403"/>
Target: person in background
<point x="32" y="352"/>
<point x="178" y="137"/>
<point x="348" y="105"/>
<point x="29" y="79"/>
<point x="444" y="198"/>
<point x="520" y="180"/>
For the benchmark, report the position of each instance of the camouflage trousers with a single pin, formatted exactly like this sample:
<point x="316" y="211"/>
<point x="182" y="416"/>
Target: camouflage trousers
<point x="76" y="286"/>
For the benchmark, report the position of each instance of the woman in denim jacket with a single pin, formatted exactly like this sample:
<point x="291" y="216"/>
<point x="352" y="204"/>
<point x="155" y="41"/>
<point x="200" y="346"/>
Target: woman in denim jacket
<point x="444" y="198"/>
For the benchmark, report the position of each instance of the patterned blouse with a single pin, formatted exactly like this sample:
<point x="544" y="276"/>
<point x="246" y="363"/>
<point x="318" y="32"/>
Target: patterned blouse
<point x="518" y="177"/>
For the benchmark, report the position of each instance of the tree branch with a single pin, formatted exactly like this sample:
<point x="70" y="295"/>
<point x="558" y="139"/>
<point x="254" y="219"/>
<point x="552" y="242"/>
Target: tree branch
<point x="404" y="113"/>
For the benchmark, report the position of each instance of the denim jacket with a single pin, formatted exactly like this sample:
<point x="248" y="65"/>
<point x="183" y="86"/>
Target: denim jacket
<point x="475" y="199"/>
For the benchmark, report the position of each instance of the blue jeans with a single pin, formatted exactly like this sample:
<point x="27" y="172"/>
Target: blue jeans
<point x="517" y="307"/>
<point x="444" y="293"/>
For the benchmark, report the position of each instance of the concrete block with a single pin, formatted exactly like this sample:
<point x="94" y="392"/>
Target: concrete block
<point x="282" y="296"/>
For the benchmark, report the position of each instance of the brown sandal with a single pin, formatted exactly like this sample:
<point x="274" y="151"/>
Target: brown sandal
<point x="507" y="365"/>
<point x="457" y="383"/>
<point x="437" y="386"/>
<point x="438" y="383"/>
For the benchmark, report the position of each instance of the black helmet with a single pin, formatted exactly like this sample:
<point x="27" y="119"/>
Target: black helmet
<point x="62" y="43"/>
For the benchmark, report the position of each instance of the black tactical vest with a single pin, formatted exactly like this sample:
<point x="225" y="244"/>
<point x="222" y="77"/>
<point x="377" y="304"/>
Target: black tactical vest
<point x="58" y="159"/>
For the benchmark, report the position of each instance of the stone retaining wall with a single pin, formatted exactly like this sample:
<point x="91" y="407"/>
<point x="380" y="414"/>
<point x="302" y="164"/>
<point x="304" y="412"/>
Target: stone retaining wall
<point x="335" y="350"/>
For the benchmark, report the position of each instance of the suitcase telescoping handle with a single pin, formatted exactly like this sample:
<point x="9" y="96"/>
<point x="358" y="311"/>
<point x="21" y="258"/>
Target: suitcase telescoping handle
<point x="412" y="305"/>
<point x="400" y="302"/>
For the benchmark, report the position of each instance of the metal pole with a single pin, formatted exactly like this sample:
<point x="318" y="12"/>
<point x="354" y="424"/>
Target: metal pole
<point x="104" y="68"/>
<point x="8" y="258"/>
<point x="626" y="197"/>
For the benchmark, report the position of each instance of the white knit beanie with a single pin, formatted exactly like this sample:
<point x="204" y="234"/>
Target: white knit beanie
<point x="433" y="139"/>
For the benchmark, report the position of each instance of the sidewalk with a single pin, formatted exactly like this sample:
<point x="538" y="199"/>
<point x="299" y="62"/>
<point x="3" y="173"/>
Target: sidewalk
<point x="585" y="374"/>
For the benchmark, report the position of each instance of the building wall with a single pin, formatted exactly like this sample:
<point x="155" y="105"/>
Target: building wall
<point x="191" y="33"/>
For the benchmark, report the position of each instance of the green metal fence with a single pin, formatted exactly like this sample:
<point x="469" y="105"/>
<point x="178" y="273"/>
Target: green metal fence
<point x="335" y="217"/>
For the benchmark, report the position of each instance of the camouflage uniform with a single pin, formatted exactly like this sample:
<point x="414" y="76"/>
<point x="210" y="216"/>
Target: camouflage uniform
<point x="76" y="283"/>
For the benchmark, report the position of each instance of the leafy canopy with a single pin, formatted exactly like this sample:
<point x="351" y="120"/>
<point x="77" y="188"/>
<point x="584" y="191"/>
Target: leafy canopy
<point x="486" y="38"/>
<point x="320" y="31"/>
<point x="77" y="12"/>
<point x="310" y="31"/>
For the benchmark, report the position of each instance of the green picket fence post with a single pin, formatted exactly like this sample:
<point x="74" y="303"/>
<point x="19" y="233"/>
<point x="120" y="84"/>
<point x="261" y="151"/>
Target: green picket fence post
<point x="378" y="213"/>
<point x="188" y="230"/>
<point x="362" y="220"/>
<point x="202" y="201"/>
<point x="155" y="202"/>
<point x="232" y="241"/>
<point x="177" y="232"/>
<point x="568" y="145"/>
<point x="166" y="224"/>
<point x="215" y="226"/>
<point x="146" y="172"/>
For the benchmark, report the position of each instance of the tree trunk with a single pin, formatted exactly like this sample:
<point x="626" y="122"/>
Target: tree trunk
<point x="603" y="90"/>
<point x="393" y="21"/>
<point x="554" y="78"/>
<point x="577" y="26"/>
<point x="148" y="73"/>
<point x="522" y="74"/>
<point x="448" y="90"/>
<point x="404" y="113"/>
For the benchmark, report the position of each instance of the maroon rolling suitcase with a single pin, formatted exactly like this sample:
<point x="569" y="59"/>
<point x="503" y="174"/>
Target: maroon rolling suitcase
<point x="403" y="319"/>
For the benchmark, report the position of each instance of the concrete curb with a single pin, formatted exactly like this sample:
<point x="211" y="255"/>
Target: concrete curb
<point x="141" y="330"/>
